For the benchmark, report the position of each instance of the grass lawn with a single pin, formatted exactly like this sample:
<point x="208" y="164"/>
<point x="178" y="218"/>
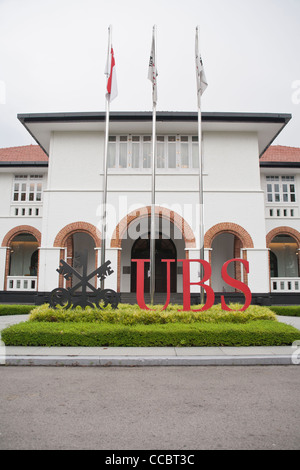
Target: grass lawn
<point x="130" y="326"/>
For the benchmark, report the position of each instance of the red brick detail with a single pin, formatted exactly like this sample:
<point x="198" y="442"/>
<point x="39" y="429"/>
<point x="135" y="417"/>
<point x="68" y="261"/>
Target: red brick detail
<point x="64" y="239"/>
<point x="162" y="212"/>
<point x="76" y="227"/>
<point x="19" y="230"/>
<point x="228" y="227"/>
<point x="283" y="231"/>
<point x="9" y="238"/>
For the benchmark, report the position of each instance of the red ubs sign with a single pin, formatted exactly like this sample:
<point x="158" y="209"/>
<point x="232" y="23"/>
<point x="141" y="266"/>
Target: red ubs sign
<point x="210" y="295"/>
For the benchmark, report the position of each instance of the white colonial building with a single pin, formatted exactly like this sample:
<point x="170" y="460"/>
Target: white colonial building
<point x="52" y="193"/>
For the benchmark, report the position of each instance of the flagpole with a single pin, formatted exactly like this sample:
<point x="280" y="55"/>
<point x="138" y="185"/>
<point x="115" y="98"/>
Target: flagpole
<point x="201" y="224"/>
<point x="152" y="230"/>
<point x="201" y="215"/>
<point x="152" y="234"/>
<point x="103" y="231"/>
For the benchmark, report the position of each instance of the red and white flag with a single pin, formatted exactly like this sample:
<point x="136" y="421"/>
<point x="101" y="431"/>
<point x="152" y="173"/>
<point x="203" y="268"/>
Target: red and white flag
<point x="110" y="72"/>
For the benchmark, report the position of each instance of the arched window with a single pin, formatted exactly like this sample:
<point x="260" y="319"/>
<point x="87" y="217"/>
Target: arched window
<point x="23" y="251"/>
<point x="285" y="248"/>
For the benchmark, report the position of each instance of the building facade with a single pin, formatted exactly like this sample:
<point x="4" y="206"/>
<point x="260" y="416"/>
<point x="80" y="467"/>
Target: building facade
<point x="52" y="194"/>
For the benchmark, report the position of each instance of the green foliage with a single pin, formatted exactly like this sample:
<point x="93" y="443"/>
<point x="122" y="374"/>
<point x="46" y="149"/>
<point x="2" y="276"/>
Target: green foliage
<point x="15" y="309"/>
<point x="290" y="311"/>
<point x="132" y="315"/>
<point x="256" y="333"/>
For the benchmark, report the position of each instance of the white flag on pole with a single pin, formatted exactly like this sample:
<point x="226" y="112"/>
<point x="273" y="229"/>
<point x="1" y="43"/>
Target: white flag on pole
<point x="152" y="70"/>
<point x="110" y="72"/>
<point x="200" y="74"/>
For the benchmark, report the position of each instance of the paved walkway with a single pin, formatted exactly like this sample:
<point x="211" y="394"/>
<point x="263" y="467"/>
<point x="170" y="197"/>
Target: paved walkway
<point x="157" y="356"/>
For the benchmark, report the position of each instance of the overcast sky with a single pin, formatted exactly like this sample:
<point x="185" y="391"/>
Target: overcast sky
<point x="53" y="55"/>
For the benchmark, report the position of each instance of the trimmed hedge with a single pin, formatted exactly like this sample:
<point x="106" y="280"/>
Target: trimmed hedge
<point x="289" y="311"/>
<point x="127" y="314"/>
<point x="258" y="333"/>
<point x="15" y="309"/>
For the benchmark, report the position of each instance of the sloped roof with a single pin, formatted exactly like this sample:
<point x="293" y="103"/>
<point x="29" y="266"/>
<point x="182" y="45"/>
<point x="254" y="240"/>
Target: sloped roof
<point x="283" y="154"/>
<point x="25" y="153"/>
<point x="267" y="126"/>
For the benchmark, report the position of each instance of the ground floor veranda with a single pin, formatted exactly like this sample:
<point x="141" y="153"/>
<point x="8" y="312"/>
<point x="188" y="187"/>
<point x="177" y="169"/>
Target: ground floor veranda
<point x="28" y="270"/>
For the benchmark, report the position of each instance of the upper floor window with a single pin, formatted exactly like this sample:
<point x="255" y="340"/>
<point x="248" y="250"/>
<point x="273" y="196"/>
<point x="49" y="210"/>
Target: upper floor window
<point x="173" y="152"/>
<point x="28" y="188"/>
<point x="281" y="189"/>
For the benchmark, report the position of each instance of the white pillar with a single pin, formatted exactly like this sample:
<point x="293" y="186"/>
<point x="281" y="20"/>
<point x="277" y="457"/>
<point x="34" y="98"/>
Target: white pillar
<point x="194" y="253"/>
<point x="258" y="277"/>
<point x="2" y="265"/>
<point x="48" y="264"/>
<point x="111" y="254"/>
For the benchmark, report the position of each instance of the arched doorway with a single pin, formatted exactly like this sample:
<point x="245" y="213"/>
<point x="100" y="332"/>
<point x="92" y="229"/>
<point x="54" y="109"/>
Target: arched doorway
<point x="285" y="248"/>
<point x="225" y="246"/>
<point x="164" y="249"/>
<point x="22" y="243"/>
<point x="23" y="263"/>
<point x="80" y="250"/>
<point x="284" y="244"/>
<point x="226" y="241"/>
<point x="136" y="225"/>
<point x="74" y="239"/>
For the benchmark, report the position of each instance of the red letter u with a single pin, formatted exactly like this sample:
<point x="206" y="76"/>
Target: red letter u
<point x="140" y="297"/>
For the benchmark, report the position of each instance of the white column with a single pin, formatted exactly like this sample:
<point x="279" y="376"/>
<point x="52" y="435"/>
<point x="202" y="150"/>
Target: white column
<point x="2" y="265"/>
<point x="194" y="253"/>
<point x="48" y="264"/>
<point x="258" y="277"/>
<point x="111" y="254"/>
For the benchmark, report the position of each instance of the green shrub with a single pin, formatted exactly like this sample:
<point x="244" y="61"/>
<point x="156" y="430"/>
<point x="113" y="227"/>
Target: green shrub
<point x="15" y="309"/>
<point x="258" y="333"/>
<point x="132" y="314"/>
<point x="290" y="311"/>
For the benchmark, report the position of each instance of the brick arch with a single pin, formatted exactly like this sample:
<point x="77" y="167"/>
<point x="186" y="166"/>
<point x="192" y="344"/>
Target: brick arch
<point x="242" y="240"/>
<point x="283" y="231"/>
<point x="76" y="227"/>
<point x="19" y="230"/>
<point x="9" y="238"/>
<point x="228" y="227"/>
<point x="63" y="240"/>
<point x="166" y="214"/>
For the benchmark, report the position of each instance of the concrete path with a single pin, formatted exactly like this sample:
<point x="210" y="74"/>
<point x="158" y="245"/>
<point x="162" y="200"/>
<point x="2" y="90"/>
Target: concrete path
<point x="156" y="356"/>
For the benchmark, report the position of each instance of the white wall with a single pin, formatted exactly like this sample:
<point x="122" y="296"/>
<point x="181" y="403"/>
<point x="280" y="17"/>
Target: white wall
<point x="76" y="160"/>
<point x="231" y="161"/>
<point x="6" y="185"/>
<point x="232" y="193"/>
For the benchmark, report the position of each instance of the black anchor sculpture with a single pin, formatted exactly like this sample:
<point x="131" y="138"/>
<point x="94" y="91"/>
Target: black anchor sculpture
<point x="66" y="298"/>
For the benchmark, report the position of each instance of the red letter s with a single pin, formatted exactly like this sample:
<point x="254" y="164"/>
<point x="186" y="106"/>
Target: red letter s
<point x="236" y="284"/>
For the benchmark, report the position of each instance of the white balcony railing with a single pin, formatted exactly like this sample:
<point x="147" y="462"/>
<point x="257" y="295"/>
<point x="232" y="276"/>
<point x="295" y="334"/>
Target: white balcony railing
<point x="24" y="283"/>
<point x="285" y="284"/>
